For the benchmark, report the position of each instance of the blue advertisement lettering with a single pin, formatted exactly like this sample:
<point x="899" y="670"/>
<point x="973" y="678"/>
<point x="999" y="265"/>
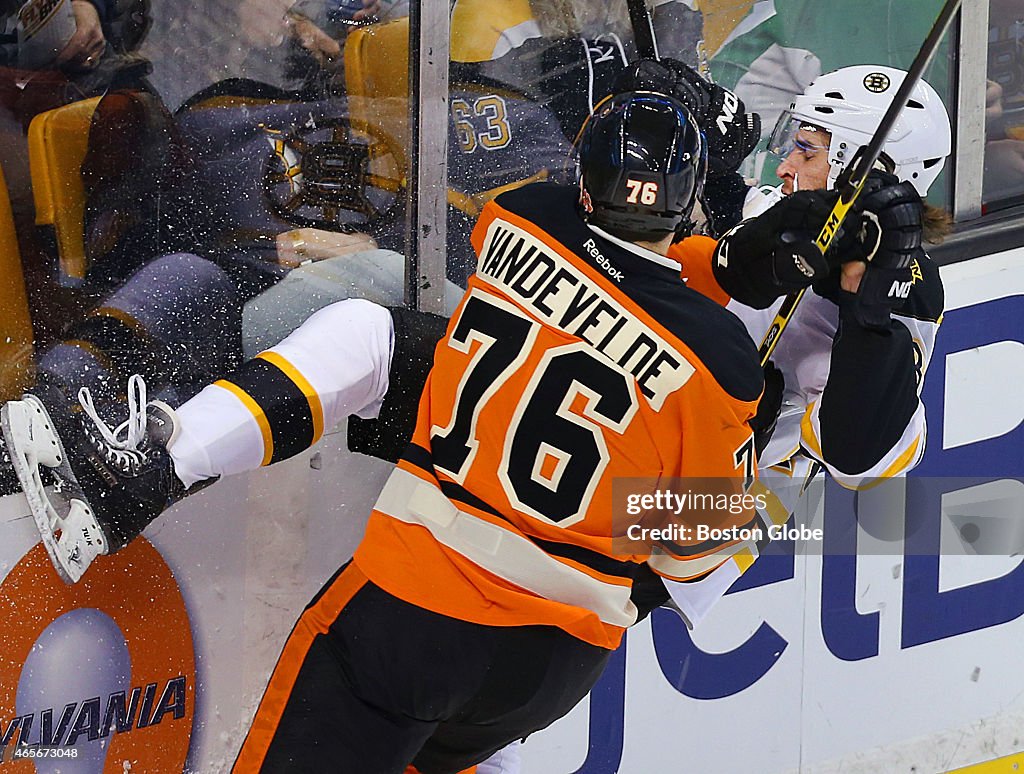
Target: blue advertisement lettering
<point x="975" y="440"/>
<point x="928" y="613"/>
<point x="607" y="717"/>
<point x="701" y="675"/>
<point x="849" y="634"/>
<point x="979" y="351"/>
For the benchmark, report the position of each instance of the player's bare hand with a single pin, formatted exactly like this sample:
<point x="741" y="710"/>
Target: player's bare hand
<point x="84" y="49"/>
<point x="305" y="245"/>
<point x="322" y="46"/>
<point x="852" y="273"/>
<point x="369" y="12"/>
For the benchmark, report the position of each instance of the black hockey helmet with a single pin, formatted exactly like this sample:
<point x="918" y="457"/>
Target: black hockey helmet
<point x="642" y="161"/>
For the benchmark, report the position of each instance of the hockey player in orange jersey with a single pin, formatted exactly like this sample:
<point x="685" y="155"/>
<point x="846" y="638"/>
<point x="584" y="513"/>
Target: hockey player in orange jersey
<point x="486" y="595"/>
<point x="276" y="383"/>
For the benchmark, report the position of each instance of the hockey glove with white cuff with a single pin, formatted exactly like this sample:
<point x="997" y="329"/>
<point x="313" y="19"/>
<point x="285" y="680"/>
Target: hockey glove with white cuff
<point x="774" y="254"/>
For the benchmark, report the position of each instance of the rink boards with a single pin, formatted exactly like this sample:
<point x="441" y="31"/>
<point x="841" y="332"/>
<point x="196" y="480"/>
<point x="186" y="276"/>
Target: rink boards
<point x="864" y="659"/>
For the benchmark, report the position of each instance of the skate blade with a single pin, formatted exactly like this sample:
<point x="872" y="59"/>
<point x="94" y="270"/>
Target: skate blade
<point x="32" y="442"/>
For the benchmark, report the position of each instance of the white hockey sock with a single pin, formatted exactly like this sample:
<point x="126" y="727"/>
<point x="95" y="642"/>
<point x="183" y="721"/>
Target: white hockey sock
<point x="507" y="760"/>
<point x="343" y="352"/>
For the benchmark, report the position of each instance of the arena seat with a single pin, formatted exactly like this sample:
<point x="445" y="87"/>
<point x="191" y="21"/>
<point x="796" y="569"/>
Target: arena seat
<point x="377" y="81"/>
<point x="377" y="55"/>
<point x="57" y="144"/>
<point x="377" y="60"/>
<point x="483" y="29"/>
<point x="16" y="349"/>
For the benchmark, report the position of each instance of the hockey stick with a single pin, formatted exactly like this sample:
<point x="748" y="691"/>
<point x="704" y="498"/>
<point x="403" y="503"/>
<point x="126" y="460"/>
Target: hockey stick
<point x="864" y="161"/>
<point x="643" y="29"/>
<point x="647" y="48"/>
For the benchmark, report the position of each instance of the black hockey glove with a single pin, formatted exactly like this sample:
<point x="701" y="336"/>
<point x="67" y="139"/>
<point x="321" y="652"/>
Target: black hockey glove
<point x="768" y="408"/>
<point x="774" y="254"/>
<point x="731" y="132"/>
<point x="648" y="591"/>
<point x="659" y="76"/>
<point x="722" y="200"/>
<point x="885" y="233"/>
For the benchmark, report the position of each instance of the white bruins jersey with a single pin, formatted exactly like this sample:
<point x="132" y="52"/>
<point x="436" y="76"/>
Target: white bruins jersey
<point x="793" y="456"/>
<point x="803" y="355"/>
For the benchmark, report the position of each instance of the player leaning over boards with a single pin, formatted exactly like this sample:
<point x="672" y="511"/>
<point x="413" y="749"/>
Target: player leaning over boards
<point x="880" y="317"/>
<point x="855" y="354"/>
<point x="485" y="597"/>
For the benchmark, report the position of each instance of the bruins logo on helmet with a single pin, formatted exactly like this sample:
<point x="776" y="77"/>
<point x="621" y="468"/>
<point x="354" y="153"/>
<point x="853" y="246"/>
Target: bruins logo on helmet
<point x="876" y="82"/>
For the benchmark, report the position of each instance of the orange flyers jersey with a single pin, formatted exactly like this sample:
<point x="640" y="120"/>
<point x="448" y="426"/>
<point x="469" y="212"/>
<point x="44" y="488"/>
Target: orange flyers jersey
<point x="574" y="360"/>
<point x="695" y="254"/>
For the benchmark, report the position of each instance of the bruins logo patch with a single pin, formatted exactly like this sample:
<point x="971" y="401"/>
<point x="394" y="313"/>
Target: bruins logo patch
<point x="876" y="82"/>
<point x="331" y="175"/>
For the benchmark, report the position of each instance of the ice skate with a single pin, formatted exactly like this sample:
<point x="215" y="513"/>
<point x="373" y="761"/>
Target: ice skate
<point x="108" y="484"/>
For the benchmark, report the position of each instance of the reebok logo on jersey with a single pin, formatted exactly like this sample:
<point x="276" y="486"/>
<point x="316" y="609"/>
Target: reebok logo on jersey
<point x="591" y="247"/>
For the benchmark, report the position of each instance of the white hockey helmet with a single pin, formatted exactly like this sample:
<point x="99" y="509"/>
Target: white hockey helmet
<point x="850" y="104"/>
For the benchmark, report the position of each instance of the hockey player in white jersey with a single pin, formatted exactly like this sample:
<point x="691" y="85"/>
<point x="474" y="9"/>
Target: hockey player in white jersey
<point x="838" y="409"/>
<point x="855" y="353"/>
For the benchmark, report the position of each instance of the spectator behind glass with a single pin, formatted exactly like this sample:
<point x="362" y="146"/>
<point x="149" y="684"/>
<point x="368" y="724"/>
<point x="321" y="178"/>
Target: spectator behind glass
<point x="88" y="44"/>
<point x="1004" y="149"/>
<point x="71" y="37"/>
<point x="1004" y="102"/>
<point x="277" y="42"/>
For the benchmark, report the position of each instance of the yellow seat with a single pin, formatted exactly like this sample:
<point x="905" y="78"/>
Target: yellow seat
<point x="57" y="143"/>
<point x="377" y="60"/>
<point x="17" y="367"/>
<point x="484" y="29"/>
<point x="377" y="55"/>
<point x="377" y="81"/>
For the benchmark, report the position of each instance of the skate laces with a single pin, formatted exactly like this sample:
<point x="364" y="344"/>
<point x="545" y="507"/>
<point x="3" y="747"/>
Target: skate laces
<point x="121" y="445"/>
